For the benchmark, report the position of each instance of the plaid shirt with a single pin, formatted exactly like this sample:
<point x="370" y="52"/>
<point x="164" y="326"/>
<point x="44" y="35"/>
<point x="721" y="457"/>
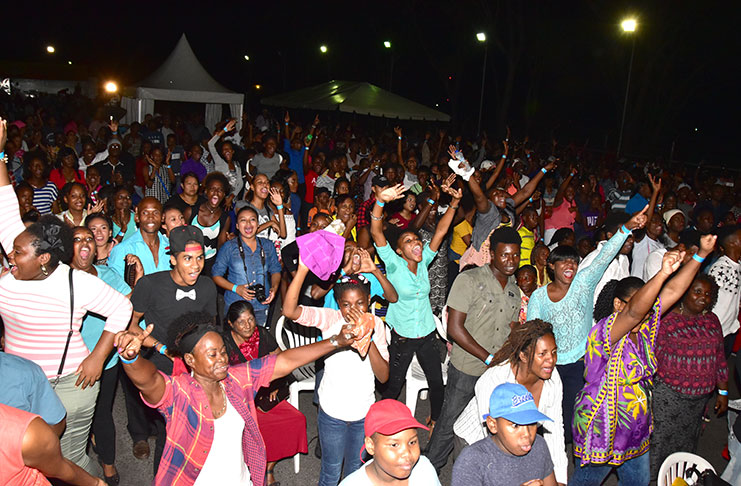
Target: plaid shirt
<point x="190" y="428"/>
<point x="364" y="210"/>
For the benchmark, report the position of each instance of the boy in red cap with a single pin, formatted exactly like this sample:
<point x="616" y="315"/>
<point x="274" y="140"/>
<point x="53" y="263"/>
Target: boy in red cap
<point x="391" y="438"/>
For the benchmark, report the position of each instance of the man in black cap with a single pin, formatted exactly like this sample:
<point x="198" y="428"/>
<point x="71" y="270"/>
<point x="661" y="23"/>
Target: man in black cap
<point x="161" y="296"/>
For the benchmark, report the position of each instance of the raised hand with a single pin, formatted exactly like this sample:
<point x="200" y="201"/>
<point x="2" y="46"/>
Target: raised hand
<point x="453" y="152"/>
<point x="551" y="165"/>
<point x="97" y="207"/>
<point x="655" y="183"/>
<point x="129" y="343"/>
<point x="447" y="187"/>
<point x="390" y="193"/>
<point x="638" y="220"/>
<point x="707" y="244"/>
<point x="275" y="196"/>
<point x="230" y="126"/>
<point x="671" y="262"/>
<point x="397" y="131"/>
<point x="287" y="118"/>
<point x="434" y="192"/>
<point x="3" y="134"/>
<point x="113" y="126"/>
<point x="316" y="120"/>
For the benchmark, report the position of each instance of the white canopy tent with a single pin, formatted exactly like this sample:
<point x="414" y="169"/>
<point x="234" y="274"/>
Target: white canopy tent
<point x="182" y="78"/>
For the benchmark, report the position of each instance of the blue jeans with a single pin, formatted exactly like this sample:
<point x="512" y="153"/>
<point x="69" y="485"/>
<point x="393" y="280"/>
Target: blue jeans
<point x="633" y="472"/>
<point x="572" y="379"/>
<point x="341" y="440"/>
<point x="261" y="316"/>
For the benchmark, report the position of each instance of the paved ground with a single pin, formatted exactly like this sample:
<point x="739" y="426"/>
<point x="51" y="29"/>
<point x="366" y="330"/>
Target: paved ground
<point x="136" y="473"/>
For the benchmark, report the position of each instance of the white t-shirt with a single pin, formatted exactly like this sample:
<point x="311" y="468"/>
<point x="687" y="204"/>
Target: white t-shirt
<point x="423" y="474"/>
<point x="225" y="461"/>
<point x="348" y="387"/>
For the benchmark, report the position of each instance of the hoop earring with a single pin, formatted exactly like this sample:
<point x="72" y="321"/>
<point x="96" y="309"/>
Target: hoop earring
<point x="44" y="270"/>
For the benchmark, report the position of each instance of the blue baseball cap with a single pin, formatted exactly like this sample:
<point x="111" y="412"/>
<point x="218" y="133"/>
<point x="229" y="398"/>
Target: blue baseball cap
<point x="513" y="402"/>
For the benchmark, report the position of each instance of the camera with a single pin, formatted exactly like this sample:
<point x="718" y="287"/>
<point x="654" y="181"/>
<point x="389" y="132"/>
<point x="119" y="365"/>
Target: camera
<point x="259" y="290"/>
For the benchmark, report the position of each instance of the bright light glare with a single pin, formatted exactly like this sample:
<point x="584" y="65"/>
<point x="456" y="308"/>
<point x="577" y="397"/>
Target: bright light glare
<point x="69" y="62"/>
<point x="387" y="44"/>
<point x="50" y="49"/>
<point x="246" y="57"/>
<point x="323" y="49"/>
<point x="481" y="36"/>
<point x="258" y="86"/>
<point x="111" y="87"/>
<point x="629" y="25"/>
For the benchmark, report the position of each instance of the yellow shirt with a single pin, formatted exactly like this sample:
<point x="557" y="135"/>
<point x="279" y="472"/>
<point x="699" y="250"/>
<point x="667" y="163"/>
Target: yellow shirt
<point x="528" y="243"/>
<point x="457" y="244"/>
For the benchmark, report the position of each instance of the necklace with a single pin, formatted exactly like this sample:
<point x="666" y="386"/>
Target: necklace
<point x="223" y="394"/>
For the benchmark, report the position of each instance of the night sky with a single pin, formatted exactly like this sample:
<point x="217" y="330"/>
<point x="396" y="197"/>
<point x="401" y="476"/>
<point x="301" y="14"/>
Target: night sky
<point x="553" y="68"/>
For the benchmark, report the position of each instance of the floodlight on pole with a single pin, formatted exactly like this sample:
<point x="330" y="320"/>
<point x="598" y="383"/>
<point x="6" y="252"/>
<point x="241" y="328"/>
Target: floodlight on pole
<point x="111" y="87"/>
<point x="323" y="49"/>
<point x="481" y="37"/>
<point x="629" y="25"/>
<point x="50" y="49"/>
<point x="387" y="44"/>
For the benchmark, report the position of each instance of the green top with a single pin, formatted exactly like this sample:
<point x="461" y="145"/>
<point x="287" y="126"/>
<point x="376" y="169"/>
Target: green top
<point x="489" y="309"/>
<point x="410" y="316"/>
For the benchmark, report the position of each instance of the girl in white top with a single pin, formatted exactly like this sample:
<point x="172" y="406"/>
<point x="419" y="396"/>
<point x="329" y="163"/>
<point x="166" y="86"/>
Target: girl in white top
<point x="223" y="162"/>
<point x="528" y="357"/>
<point x="347" y="389"/>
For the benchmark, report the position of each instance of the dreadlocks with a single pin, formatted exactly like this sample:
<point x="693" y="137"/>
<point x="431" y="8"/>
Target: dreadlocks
<point x="522" y="339"/>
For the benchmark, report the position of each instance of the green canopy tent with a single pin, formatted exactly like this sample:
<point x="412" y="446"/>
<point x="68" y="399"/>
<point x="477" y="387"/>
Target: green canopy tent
<point x="355" y="97"/>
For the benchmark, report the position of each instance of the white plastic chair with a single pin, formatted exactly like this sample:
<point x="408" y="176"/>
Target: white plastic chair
<point x="416" y="381"/>
<point x="677" y="465"/>
<point x="289" y="336"/>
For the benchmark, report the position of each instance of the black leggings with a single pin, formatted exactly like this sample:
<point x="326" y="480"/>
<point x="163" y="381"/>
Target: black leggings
<point x="401" y="352"/>
<point x="103" y="427"/>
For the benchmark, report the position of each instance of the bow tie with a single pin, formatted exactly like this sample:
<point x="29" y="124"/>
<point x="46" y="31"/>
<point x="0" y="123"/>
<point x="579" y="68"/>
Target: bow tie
<point x="180" y="295"/>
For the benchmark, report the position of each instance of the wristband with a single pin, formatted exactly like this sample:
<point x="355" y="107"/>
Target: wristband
<point x="700" y="259"/>
<point x="543" y="170"/>
<point x="488" y="359"/>
<point x="115" y="132"/>
<point x="625" y="229"/>
<point x="723" y="393"/>
<point x="431" y="201"/>
<point x="504" y="156"/>
<point x="286" y="123"/>
<point x="163" y="349"/>
<point x="310" y="136"/>
<point x="380" y="204"/>
<point x="531" y="199"/>
<point x="279" y="207"/>
<point x="2" y="155"/>
<point x="129" y="361"/>
<point x="234" y="288"/>
<point x="121" y="233"/>
<point x="399" y="138"/>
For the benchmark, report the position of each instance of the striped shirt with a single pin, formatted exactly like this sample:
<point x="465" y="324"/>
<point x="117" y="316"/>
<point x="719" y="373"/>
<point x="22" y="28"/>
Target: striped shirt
<point x="44" y="197"/>
<point x="36" y="313"/>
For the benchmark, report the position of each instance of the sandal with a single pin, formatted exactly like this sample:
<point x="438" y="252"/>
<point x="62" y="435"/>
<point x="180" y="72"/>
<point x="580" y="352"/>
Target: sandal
<point x="110" y="480"/>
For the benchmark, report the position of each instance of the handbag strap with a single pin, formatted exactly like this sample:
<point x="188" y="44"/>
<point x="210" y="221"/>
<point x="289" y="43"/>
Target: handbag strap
<point x="71" y="317"/>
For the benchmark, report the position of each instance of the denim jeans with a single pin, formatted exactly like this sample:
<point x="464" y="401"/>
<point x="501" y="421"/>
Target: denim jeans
<point x="458" y="392"/>
<point x="401" y="352"/>
<point x="572" y="377"/>
<point x="633" y="472"/>
<point x="341" y="440"/>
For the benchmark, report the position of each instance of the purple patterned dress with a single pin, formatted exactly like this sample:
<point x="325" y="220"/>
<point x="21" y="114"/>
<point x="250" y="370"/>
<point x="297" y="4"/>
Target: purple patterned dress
<point x="613" y="418"/>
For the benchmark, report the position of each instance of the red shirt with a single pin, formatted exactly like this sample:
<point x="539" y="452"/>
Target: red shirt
<point x="310" y="179"/>
<point x="58" y="179"/>
<point x="14" y="472"/>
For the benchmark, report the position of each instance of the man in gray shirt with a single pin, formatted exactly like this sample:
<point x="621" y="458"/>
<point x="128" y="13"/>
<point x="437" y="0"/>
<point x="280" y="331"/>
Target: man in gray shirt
<point x="482" y="303"/>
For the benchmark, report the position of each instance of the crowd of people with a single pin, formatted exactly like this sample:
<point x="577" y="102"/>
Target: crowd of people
<point x="586" y="301"/>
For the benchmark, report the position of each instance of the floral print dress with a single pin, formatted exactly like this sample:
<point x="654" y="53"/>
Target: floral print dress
<point x="613" y="418"/>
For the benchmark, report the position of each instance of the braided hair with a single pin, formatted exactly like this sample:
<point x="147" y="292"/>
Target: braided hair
<point x="522" y="339"/>
<point x="622" y="289"/>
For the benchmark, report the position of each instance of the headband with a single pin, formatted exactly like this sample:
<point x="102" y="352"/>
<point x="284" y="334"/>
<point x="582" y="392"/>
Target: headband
<point x="189" y="341"/>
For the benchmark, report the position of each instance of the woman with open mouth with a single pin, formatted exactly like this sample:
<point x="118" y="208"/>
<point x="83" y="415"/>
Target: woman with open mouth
<point x="567" y="303"/>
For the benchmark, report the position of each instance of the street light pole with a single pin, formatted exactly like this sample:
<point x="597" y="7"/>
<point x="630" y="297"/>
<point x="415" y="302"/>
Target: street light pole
<point x="482" y="38"/>
<point x="629" y="26"/>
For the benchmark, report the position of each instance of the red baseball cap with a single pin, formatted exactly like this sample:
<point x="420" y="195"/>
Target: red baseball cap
<point x="388" y="417"/>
